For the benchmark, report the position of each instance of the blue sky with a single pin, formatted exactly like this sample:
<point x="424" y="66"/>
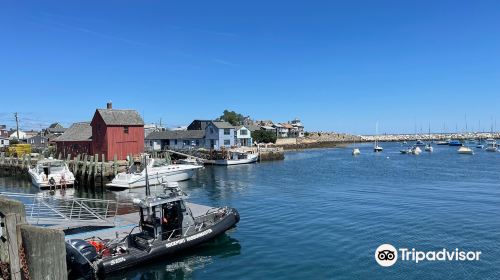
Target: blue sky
<point x="338" y="65"/>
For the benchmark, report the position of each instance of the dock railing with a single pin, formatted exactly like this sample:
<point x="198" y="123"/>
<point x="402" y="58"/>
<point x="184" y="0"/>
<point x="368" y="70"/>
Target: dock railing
<point x="62" y="212"/>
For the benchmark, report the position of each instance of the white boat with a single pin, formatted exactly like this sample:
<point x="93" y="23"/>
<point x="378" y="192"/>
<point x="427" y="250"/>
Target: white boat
<point x="236" y="158"/>
<point x="376" y="147"/>
<point x="189" y="160"/>
<point x="429" y="148"/>
<point x="416" y="150"/>
<point x="465" y="150"/>
<point x="158" y="171"/>
<point x="491" y="145"/>
<point x="443" y="142"/>
<point x="356" y="152"/>
<point x="405" y="151"/>
<point x="51" y="173"/>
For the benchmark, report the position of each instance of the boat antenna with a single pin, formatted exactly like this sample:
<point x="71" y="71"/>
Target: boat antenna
<point x="148" y="191"/>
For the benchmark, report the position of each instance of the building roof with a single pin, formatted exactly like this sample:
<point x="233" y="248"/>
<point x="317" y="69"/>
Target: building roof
<point x="252" y="127"/>
<point x="120" y="117"/>
<point x="55" y="125"/>
<point x="176" y="134"/>
<point x="198" y="124"/>
<point x="222" y="125"/>
<point x="56" y="130"/>
<point x="37" y="137"/>
<point x="287" y="125"/>
<point x="81" y="131"/>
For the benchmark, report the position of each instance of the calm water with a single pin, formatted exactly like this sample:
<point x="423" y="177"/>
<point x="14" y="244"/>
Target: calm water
<point x="320" y="214"/>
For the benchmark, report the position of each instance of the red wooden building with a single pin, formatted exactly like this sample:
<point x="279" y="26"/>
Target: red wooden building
<point x="117" y="132"/>
<point x="111" y="132"/>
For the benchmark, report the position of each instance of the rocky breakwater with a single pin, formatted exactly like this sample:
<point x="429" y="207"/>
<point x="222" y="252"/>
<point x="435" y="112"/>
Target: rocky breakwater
<point x="317" y="140"/>
<point x="431" y="137"/>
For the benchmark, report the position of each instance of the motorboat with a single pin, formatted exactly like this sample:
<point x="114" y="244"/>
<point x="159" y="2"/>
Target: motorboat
<point x="415" y="150"/>
<point x="429" y="148"/>
<point x="159" y="171"/>
<point x="189" y="160"/>
<point x="356" y="152"/>
<point x="51" y="173"/>
<point x="168" y="225"/>
<point x="235" y="158"/>
<point x="491" y="145"/>
<point x="465" y="150"/>
<point x="419" y="143"/>
<point x="405" y="151"/>
<point x="455" y="143"/>
<point x="443" y="142"/>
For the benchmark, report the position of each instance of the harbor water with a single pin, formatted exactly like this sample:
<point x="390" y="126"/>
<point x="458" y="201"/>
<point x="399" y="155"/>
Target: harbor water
<point x="320" y="214"/>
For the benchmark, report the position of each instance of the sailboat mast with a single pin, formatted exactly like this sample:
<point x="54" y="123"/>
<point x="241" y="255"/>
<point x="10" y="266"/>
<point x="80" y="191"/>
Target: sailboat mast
<point x="148" y="191"/>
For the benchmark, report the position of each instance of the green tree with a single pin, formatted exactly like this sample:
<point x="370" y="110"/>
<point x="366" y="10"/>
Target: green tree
<point x="232" y="117"/>
<point x="262" y="136"/>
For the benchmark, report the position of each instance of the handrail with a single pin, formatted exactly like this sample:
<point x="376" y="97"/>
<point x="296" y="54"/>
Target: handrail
<point x="66" y="211"/>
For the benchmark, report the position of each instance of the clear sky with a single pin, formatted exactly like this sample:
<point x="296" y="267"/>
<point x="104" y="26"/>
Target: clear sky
<point x="337" y="65"/>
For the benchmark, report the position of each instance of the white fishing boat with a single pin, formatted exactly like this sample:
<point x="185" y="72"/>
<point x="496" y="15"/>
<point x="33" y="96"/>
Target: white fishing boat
<point x="356" y="152"/>
<point x="190" y="160"/>
<point x="236" y="158"/>
<point x="491" y="145"/>
<point x="415" y="150"/>
<point x="465" y="150"/>
<point x="51" y="173"/>
<point x="443" y="142"/>
<point x="158" y="171"/>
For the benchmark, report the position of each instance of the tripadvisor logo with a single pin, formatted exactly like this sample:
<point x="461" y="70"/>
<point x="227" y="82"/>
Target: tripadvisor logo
<point x="387" y="255"/>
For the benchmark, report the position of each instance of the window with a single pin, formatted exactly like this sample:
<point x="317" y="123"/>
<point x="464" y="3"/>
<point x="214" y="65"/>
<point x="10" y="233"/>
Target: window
<point x="227" y="131"/>
<point x="244" y="132"/>
<point x="227" y="142"/>
<point x="2" y="142"/>
<point x="186" y="142"/>
<point x="197" y="142"/>
<point x="175" y="142"/>
<point x="211" y="130"/>
<point x="42" y="140"/>
<point x="151" y="143"/>
<point x="125" y="129"/>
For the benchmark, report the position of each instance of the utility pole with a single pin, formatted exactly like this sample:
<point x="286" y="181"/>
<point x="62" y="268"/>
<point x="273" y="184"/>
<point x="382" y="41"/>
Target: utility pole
<point x="17" y="126"/>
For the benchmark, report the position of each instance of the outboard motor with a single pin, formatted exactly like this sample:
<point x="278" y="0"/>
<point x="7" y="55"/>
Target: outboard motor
<point x="79" y="256"/>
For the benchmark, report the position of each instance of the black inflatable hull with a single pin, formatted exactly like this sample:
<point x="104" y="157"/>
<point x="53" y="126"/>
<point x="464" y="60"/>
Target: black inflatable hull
<point x="162" y="249"/>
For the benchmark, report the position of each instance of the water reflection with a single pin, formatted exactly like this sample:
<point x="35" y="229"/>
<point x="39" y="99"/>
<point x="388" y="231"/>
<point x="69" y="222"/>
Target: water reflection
<point x="186" y="264"/>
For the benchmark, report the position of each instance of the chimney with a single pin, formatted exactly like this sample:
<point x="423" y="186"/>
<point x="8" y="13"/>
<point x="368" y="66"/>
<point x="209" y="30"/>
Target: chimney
<point x="109" y="105"/>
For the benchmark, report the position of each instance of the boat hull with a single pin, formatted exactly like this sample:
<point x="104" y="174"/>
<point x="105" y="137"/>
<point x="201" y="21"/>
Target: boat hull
<point x="44" y="184"/>
<point x="235" y="162"/>
<point x="465" y="151"/>
<point x="166" y="248"/>
<point x="154" y="179"/>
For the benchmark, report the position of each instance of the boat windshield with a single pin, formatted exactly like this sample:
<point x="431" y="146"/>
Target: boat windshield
<point x="56" y="167"/>
<point x="160" y="163"/>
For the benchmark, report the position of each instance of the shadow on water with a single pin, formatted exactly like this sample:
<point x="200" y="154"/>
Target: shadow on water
<point x="185" y="264"/>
